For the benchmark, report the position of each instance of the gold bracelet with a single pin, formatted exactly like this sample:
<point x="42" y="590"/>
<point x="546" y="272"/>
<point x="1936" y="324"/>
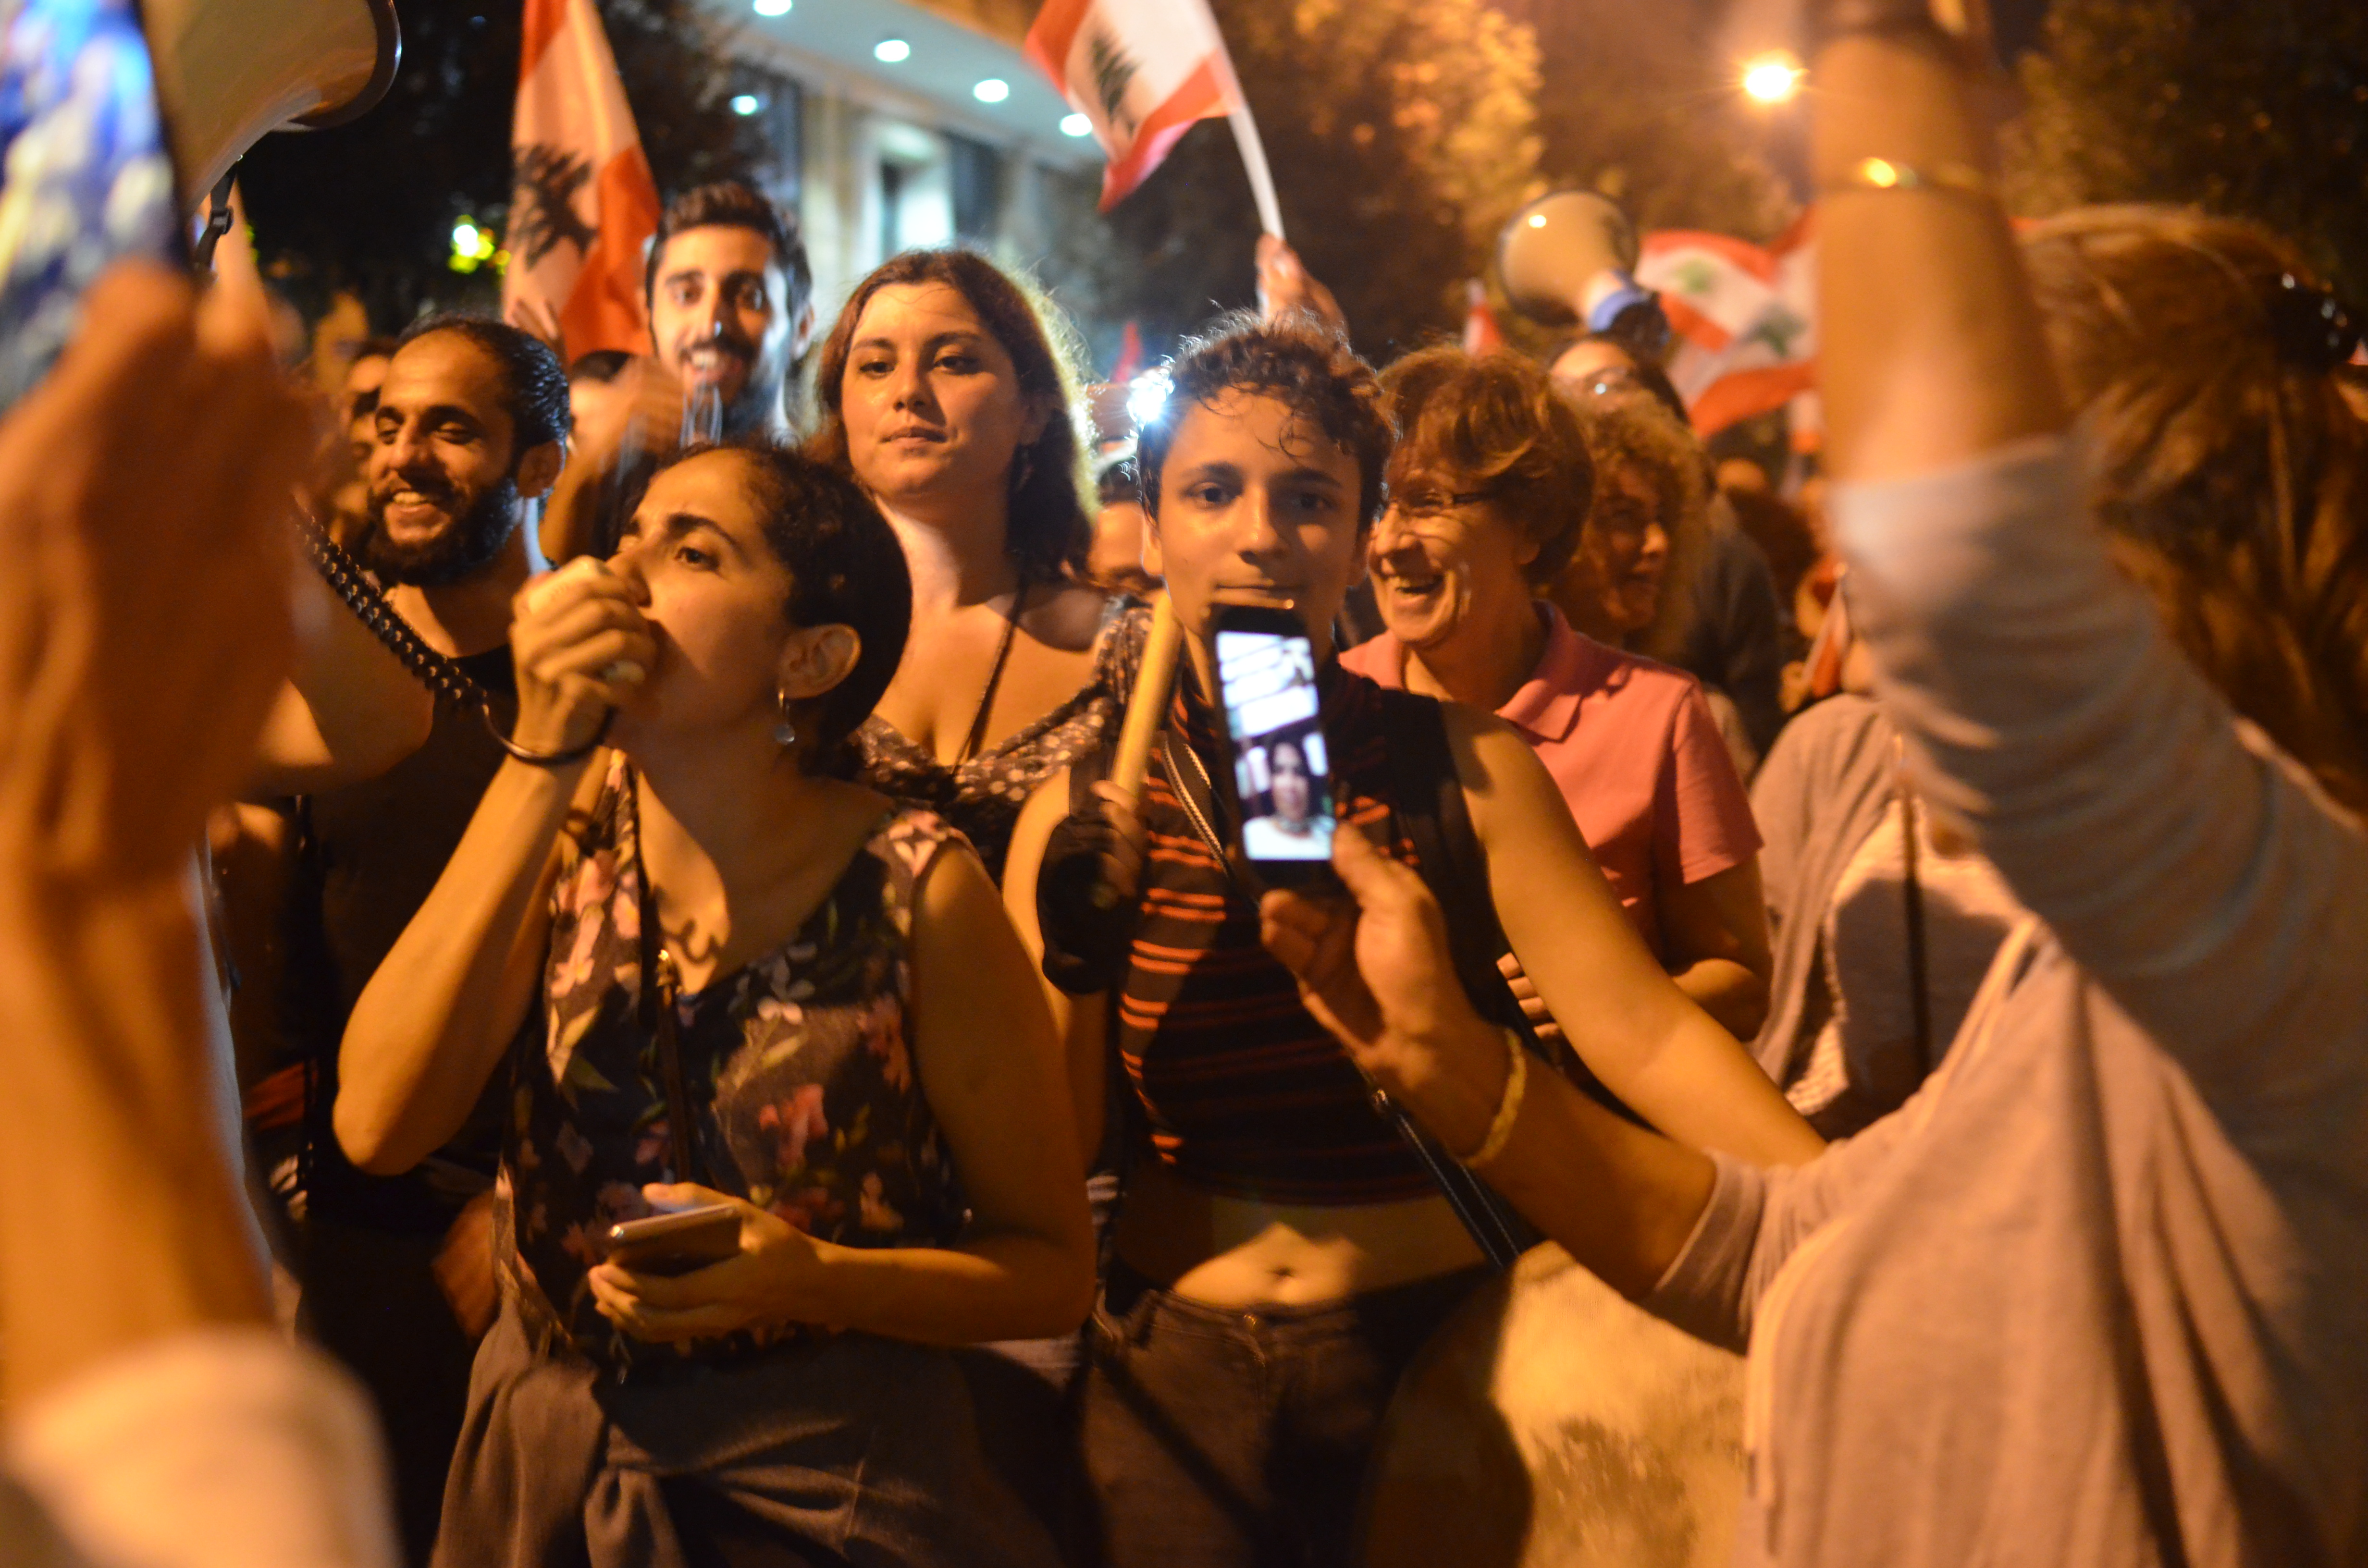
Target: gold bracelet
<point x="1508" y="1109"/>
<point x="1889" y="173"/>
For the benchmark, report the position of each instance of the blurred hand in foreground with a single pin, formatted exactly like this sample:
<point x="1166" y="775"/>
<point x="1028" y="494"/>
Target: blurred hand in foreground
<point x="1285" y="285"/>
<point x="144" y="624"/>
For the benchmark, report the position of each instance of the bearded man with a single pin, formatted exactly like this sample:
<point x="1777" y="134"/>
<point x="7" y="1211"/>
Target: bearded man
<point x="471" y="425"/>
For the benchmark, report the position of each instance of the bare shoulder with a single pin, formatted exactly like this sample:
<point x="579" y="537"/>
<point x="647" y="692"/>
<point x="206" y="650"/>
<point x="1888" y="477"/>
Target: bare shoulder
<point x="1068" y="620"/>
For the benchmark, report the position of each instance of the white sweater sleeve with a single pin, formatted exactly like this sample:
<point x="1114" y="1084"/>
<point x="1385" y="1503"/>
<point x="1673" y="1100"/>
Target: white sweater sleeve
<point x="216" y="1449"/>
<point x="2193" y="872"/>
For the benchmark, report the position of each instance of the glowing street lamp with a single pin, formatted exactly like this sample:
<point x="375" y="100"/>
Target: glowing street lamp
<point x="1772" y="78"/>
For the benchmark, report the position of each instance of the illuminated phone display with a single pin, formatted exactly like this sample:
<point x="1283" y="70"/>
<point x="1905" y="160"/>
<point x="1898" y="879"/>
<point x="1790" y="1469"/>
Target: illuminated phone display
<point x="87" y="176"/>
<point x="1283" y="774"/>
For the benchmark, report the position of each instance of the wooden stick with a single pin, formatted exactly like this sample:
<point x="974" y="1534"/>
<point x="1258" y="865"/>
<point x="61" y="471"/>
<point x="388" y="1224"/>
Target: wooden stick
<point x="1146" y="709"/>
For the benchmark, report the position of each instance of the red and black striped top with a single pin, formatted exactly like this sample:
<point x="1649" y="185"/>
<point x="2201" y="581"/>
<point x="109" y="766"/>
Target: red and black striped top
<point x="1244" y="1093"/>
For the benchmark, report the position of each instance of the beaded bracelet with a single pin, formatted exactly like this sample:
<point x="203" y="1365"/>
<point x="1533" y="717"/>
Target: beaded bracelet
<point x="552" y="758"/>
<point x="1508" y="1109"/>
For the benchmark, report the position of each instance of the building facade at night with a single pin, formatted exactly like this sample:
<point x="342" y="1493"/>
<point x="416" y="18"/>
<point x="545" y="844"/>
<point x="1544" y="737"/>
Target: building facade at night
<point x="897" y="123"/>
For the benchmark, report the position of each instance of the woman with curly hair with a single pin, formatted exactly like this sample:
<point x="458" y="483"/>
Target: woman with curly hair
<point x="751" y="982"/>
<point x="1492" y="492"/>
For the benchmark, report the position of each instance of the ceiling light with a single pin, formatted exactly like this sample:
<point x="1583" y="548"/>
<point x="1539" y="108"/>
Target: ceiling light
<point x="994" y="90"/>
<point x="747" y="103"/>
<point x="1075" y="125"/>
<point x="892" y="51"/>
<point x="773" y="8"/>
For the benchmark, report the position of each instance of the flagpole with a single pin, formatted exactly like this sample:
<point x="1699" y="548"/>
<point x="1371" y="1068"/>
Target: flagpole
<point x="1245" y="137"/>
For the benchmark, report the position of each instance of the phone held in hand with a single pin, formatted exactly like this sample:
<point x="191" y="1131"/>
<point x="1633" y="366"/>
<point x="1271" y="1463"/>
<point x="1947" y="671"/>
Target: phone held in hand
<point x="679" y="1243"/>
<point x="88" y="171"/>
<point x="1282" y="768"/>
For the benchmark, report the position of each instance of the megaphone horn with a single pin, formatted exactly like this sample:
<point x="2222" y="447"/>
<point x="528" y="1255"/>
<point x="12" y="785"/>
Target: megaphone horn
<point x="230" y="72"/>
<point x="1558" y="248"/>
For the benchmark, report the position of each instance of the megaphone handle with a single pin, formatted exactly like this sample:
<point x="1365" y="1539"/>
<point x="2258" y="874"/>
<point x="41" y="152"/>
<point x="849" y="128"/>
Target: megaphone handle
<point x="217" y="219"/>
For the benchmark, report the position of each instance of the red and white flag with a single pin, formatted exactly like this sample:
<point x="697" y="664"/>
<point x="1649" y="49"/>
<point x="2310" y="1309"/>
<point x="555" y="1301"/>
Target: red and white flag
<point x="1141" y="71"/>
<point x="583" y="206"/>
<point x="1745" y="317"/>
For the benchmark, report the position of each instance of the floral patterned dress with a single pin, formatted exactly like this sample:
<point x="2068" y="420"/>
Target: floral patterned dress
<point x="798" y="1075"/>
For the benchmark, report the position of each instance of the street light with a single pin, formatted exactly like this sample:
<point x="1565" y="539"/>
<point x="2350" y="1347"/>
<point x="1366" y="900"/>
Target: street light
<point x="1772" y="78"/>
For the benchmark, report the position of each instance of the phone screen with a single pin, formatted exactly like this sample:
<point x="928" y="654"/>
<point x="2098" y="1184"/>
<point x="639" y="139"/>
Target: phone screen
<point x="1282" y="776"/>
<point x="85" y="174"/>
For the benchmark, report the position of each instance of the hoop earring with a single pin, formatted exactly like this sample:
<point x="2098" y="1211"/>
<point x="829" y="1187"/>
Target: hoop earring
<point x="785" y="734"/>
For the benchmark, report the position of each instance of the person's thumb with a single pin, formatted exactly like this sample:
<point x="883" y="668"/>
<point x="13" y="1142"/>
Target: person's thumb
<point x="1368" y="874"/>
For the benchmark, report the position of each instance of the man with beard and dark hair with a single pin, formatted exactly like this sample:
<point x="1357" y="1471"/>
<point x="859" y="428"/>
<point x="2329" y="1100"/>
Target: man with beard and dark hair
<point x="470" y="424"/>
<point x="730" y="297"/>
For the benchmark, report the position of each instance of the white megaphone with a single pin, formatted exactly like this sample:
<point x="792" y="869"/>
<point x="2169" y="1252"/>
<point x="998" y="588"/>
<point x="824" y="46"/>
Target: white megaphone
<point x="1570" y="256"/>
<point x="229" y="71"/>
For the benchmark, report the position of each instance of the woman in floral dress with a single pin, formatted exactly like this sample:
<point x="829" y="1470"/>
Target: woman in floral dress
<point x="718" y="970"/>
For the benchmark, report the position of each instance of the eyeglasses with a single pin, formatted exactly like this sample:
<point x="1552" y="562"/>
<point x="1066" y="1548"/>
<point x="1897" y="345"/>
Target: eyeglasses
<point x="1428" y="505"/>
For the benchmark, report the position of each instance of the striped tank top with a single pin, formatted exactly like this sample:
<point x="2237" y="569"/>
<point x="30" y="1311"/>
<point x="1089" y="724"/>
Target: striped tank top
<point x="1244" y="1092"/>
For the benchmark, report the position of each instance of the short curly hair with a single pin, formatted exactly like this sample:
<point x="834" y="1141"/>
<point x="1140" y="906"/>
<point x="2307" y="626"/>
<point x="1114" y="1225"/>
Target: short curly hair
<point x="532" y="376"/>
<point x="1299" y="362"/>
<point x="1495" y="426"/>
<point x="1634" y="436"/>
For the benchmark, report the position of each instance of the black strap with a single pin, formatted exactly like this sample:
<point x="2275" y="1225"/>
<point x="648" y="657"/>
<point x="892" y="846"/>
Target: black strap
<point x="1494" y="1228"/>
<point x="977" y="737"/>
<point x="1919" y="985"/>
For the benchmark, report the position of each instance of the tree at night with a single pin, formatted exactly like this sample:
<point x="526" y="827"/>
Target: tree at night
<point x="2254" y="108"/>
<point x="370" y="206"/>
<point x="1401" y="133"/>
<point x="1639" y="102"/>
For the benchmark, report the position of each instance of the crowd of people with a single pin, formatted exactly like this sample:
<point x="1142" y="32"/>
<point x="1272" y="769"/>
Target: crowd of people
<point x="708" y="803"/>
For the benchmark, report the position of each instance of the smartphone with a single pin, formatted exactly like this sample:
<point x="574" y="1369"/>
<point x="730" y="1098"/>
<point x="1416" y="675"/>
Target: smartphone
<point x="85" y="170"/>
<point x="677" y="1242"/>
<point x="1282" y="766"/>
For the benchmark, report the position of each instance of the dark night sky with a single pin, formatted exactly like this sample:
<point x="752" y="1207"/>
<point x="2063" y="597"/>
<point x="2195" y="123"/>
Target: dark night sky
<point x="2018" y="24"/>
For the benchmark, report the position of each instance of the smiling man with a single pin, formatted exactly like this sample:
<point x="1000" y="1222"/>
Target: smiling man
<point x="471" y="425"/>
<point x="731" y="309"/>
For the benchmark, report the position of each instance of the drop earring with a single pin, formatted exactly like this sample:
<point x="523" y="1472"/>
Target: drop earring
<point x="785" y="734"/>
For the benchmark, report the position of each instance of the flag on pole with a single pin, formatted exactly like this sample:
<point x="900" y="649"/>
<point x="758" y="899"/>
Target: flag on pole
<point x="1139" y="71"/>
<point x="1745" y="317"/>
<point x="1481" y="333"/>
<point x="1130" y="354"/>
<point x="583" y="206"/>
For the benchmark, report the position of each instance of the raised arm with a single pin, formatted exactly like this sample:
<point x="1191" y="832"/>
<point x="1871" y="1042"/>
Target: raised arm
<point x="1080" y="1022"/>
<point x="350" y="710"/>
<point x="1628" y="1021"/>
<point x="2203" y="885"/>
<point x="432" y="1023"/>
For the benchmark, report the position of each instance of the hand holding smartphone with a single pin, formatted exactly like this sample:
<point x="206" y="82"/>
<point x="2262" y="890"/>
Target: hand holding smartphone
<point x="679" y="1243"/>
<point x="1283" y="765"/>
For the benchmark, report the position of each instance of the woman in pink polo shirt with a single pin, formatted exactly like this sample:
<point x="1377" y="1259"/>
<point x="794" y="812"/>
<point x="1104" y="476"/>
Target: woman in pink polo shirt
<point x="1490" y="491"/>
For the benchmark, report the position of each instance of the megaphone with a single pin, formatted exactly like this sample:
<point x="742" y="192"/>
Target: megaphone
<point x="1569" y="256"/>
<point x="230" y="72"/>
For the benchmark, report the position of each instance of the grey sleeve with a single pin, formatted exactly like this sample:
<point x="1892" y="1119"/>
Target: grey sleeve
<point x="2199" y="878"/>
<point x="1756" y="1219"/>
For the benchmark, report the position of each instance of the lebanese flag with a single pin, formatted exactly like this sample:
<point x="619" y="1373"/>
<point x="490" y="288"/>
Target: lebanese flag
<point x="1745" y="317"/>
<point x="1141" y="71"/>
<point x="583" y="206"/>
